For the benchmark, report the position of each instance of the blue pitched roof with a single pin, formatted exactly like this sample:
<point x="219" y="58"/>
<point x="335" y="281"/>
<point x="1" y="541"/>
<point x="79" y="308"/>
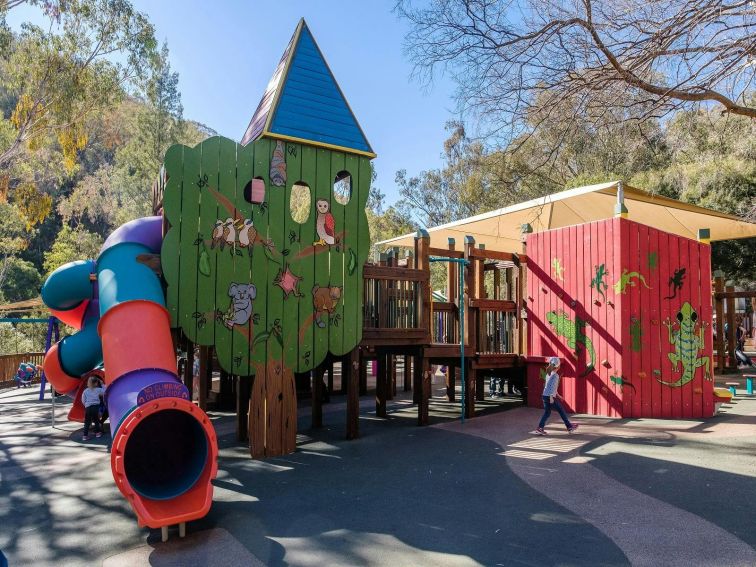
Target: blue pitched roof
<point x="304" y="102"/>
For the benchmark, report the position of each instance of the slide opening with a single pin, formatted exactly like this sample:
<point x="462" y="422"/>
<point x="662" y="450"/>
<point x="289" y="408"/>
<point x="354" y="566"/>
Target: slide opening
<point x="165" y="454"/>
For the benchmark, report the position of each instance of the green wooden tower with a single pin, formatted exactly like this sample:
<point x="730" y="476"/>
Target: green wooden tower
<point x="273" y="291"/>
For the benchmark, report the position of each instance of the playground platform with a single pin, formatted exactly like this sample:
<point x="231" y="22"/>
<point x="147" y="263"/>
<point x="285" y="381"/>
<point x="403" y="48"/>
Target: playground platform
<point x="621" y="492"/>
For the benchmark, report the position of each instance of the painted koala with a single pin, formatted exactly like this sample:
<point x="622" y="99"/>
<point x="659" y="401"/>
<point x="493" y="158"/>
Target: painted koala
<point x="325" y="300"/>
<point x="240" y="309"/>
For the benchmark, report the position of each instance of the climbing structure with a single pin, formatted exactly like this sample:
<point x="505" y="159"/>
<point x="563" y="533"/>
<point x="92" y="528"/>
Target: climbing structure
<point x="267" y="240"/>
<point x="629" y="309"/>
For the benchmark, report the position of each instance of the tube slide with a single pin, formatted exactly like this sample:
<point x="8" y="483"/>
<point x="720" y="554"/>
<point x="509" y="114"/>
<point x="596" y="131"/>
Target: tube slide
<point x="71" y="296"/>
<point x="164" y="447"/>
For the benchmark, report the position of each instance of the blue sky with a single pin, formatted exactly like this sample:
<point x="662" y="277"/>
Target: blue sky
<point x="226" y="51"/>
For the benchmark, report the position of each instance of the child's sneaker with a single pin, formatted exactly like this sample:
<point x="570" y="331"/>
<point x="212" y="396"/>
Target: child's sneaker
<point x="572" y="428"/>
<point x="540" y="431"/>
<point x="85" y="438"/>
<point x="98" y="435"/>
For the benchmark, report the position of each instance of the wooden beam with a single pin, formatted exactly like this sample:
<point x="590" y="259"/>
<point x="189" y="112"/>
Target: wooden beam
<point x="493" y="304"/>
<point x="485" y="254"/>
<point x="372" y="272"/>
<point x="445" y="252"/>
<point x="735" y="294"/>
<point x="350" y="376"/>
<point x="407" y="373"/>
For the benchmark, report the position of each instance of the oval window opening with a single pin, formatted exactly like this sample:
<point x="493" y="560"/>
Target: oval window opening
<point x="254" y="191"/>
<point x="299" y="202"/>
<point x="342" y="187"/>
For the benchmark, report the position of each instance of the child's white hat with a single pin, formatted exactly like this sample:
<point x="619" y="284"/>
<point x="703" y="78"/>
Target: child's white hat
<point x="554" y="361"/>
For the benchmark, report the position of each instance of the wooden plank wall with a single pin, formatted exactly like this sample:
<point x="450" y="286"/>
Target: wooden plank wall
<point x="561" y="265"/>
<point x="279" y="300"/>
<point x="661" y="388"/>
<point x="625" y="313"/>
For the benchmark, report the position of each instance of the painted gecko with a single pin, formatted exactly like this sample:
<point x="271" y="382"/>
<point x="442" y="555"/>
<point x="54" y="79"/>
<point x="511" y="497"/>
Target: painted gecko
<point x="687" y="343"/>
<point x="573" y="332"/>
<point x="626" y="279"/>
<point x="598" y="280"/>
<point x="676" y="282"/>
<point x="558" y="269"/>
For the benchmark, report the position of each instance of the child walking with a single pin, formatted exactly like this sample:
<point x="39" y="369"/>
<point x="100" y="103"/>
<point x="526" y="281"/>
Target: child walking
<point x="551" y="398"/>
<point x="91" y="397"/>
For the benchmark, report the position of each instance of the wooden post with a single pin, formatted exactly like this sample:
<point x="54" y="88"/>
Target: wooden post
<point x="522" y="291"/>
<point x="381" y="384"/>
<point x="189" y="367"/>
<point x="452" y="284"/>
<point x="391" y="390"/>
<point x="407" y="375"/>
<point x="330" y="381"/>
<point x="730" y="302"/>
<point x="243" y="391"/>
<point x="451" y="382"/>
<point x="205" y="374"/>
<point x="363" y="375"/>
<point x="226" y="390"/>
<point x="470" y="319"/>
<point x="497" y="284"/>
<point x="480" y="275"/>
<point x="422" y="244"/>
<point x="471" y="378"/>
<point x="350" y="376"/>
<point x="317" y="396"/>
<point x="422" y="388"/>
<point x="480" y="386"/>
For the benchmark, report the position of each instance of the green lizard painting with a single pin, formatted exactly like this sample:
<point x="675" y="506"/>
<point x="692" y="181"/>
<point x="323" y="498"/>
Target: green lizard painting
<point x="621" y="381"/>
<point x="598" y="280"/>
<point x="687" y="342"/>
<point x="574" y="333"/>
<point x="636" y="332"/>
<point x="556" y="264"/>
<point x="626" y="280"/>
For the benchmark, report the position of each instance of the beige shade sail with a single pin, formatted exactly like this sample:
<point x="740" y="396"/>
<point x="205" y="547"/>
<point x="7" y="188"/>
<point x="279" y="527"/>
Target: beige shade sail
<point x="501" y="229"/>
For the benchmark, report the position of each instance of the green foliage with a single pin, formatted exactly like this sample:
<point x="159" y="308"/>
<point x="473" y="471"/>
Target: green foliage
<point x="72" y="244"/>
<point x="13" y="340"/>
<point x="19" y="280"/>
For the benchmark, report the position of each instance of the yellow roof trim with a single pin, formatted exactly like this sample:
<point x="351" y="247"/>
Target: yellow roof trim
<point x="324" y="145"/>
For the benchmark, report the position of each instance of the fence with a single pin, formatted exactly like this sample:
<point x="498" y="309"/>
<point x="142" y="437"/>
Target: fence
<point x="9" y="365"/>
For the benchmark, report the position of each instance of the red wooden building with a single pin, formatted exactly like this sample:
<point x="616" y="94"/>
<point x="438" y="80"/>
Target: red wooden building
<point x="628" y="308"/>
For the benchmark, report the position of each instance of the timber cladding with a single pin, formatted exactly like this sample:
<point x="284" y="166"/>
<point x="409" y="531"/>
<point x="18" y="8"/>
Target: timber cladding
<point x="628" y="310"/>
<point x="273" y="296"/>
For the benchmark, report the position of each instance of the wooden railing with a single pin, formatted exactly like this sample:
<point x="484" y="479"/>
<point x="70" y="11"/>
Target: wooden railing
<point x="497" y="326"/>
<point x="9" y="365"/>
<point x="445" y="323"/>
<point x="393" y="297"/>
<point x="398" y="309"/>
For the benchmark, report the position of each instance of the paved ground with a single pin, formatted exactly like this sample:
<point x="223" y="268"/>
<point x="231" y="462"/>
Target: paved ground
<point x="621" y="492"/>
